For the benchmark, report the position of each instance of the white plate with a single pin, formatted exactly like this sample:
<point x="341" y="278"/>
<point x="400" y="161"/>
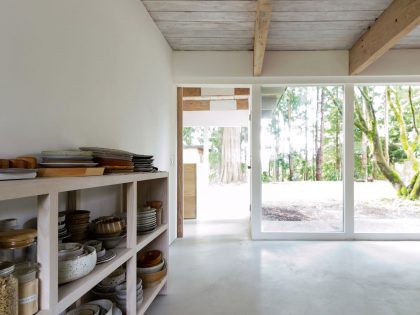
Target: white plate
<point x="53" y="164"/>
<point x="11" y="176"/>
<point x="109" y="255"/>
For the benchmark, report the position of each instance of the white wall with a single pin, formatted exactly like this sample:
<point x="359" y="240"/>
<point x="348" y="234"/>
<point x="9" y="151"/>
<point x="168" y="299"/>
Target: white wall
<point x="78" y="73"/>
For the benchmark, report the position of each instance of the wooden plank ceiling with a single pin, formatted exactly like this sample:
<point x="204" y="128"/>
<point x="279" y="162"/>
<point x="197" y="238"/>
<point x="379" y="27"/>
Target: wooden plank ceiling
<point x="295" y="24"/>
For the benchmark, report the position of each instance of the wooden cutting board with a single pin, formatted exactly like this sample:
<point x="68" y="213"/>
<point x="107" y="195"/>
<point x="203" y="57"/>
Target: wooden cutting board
<point x="77" y="171"/>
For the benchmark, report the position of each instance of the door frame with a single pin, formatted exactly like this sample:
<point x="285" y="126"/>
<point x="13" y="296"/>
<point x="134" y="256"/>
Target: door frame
<point x="348" y="232"/>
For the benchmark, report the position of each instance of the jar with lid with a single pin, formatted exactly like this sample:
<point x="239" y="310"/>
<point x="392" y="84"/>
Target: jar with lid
<point x="8" y="289"/>
<point x="18" y="245"/>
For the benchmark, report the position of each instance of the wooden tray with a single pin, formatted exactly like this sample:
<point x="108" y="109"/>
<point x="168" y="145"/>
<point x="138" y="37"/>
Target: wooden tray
<point x="77" y="171"/>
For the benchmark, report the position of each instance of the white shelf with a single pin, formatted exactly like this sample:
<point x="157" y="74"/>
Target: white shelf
<point x="72" y="291"/>
<point x="14" y="189"/>
<point x="144" y="240"/>
<point x="149" y="295"/>
<point x="135" y="190"/>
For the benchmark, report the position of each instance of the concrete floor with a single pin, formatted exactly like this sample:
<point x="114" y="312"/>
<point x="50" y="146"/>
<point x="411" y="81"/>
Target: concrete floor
<point x="216" y="269"/>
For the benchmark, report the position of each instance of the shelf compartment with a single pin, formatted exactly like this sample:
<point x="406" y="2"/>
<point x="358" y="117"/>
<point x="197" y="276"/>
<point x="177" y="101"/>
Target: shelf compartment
<point x="144" y="240"/>
<point x="71" y="292"/>
<point x="149" y="295"/>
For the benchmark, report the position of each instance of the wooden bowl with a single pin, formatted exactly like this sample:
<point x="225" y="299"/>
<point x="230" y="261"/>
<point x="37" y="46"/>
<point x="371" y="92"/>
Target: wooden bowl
<point x="110" y="225"/>
<point x="156" y="204"/>
<point x="150" y="258"/>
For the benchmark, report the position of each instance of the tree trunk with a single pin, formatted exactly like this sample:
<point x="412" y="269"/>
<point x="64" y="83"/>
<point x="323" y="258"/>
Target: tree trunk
<point x="231" y="156"/>
<point x="320" y="149"/>
<point x="289" y="126"/>
<point x="386" y="130"/>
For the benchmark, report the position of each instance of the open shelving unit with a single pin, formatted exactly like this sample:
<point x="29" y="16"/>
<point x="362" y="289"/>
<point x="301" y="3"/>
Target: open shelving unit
<point x="135" y="189"/>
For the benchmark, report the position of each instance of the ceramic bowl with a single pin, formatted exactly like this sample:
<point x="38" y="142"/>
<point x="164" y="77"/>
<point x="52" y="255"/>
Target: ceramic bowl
<point x="121" y="289"/>
<point x="150" y="258"/>
<point x="153" y="269"/>
<point x="67" y="251"/>
<point x="110" y="225"/>
<point x="111" y="242"/>
<point x="86" y="309"/>
<point x="116" y="311"/>
<point x="101" y="253"/>
<point x="115" y="278"/>
<point x="151" y="279"/>
<point x="95" y="243"/>
<point x="104" y="289"/>
<point x="73" y="269"/>
<point x="104" y="304"/>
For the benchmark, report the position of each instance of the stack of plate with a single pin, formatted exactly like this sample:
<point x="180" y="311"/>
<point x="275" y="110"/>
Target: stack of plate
<point x="16" y="173"/>
<point x="67" y="158"/>
<point x="146" y="220"/>
<point x="62" y="231"/>
<point x="121" y="295"/>
<point x="114" y="161"/>
<point x="143" y="163"/>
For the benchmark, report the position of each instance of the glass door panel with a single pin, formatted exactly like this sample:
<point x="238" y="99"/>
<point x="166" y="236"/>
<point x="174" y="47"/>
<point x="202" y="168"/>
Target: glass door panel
<point x="301" y="136"/>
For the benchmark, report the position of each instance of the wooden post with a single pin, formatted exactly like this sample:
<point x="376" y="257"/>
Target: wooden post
<point x="180" y="166"/>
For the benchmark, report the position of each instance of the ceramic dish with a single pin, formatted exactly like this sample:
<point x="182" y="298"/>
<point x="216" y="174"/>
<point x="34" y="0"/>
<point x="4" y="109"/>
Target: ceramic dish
<point x="111" y="242"/>
<point x="105" y="305"/>
<point x="115" y="278"/>
<point x="116" y="311"/>
<point x="101" y="253"/>
<point x="149" y="258"/>
<point x="95" y="243"/>
<point x="152" y="269"/>
<point x="86" y="309"/>
<point x="107" y="256"/>
<point x="152" y="279"/>
<point x="70" y="270"/>
<point x="111" y="225"/>
<point x="70" y="248"/>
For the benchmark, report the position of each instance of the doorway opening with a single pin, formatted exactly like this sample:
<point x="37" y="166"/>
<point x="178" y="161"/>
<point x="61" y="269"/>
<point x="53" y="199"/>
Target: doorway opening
<point x="215" y="159"/>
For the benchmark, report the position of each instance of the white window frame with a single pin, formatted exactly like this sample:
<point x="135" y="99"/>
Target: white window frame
<point x="348" y="232"/>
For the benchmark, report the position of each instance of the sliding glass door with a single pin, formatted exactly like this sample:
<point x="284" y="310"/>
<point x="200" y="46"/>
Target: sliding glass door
<point x="336" y="162"/>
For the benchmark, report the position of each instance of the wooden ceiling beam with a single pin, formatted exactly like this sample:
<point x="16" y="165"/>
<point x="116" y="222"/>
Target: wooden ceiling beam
<point x="262" y="26"/>
<point x="400" y="18"/>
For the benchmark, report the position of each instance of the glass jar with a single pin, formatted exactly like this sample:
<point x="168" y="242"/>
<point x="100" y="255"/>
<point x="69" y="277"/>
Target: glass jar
<point x="8" y="289"/>
<point x="26" y="273"/>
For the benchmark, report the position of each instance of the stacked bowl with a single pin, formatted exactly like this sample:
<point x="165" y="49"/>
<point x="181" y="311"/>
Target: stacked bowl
<point x="75" y="261"/>
<point x="62" y="231"/>
<point x="109" y="230"/>
<point x="105" y="307"/>
<point x="121" y="295"/>
<point x="77" y="223"/>
<point x="146" y="220"/>
<point x="106" y="289"/>
<point x="151" y="267"/>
